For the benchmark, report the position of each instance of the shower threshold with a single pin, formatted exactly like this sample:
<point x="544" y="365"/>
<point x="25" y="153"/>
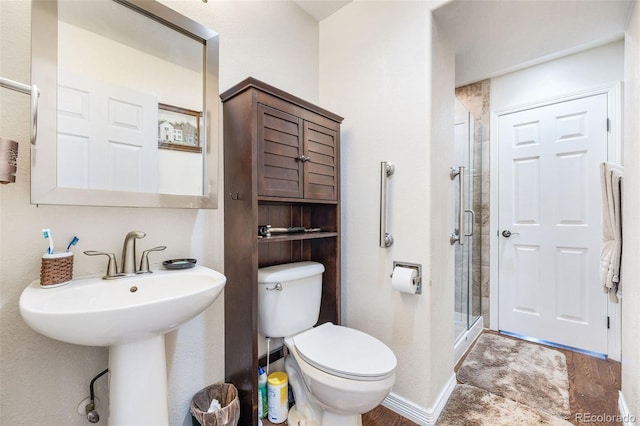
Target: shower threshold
<point x="466" y="339"/>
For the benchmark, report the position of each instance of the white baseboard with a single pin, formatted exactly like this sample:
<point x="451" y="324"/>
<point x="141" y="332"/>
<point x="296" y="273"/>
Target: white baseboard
<point x="415" y="413"/>
<point x="626" y="418"/>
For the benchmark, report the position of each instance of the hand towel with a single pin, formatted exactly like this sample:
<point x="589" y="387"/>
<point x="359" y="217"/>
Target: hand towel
<point x="611" y="176"/>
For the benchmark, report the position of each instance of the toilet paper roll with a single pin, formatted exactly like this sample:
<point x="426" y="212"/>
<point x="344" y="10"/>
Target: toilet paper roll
<point x="402" y="279"/>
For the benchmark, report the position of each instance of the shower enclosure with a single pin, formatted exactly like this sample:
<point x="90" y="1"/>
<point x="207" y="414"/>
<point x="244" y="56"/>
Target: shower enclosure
<point x="466" y="175"/>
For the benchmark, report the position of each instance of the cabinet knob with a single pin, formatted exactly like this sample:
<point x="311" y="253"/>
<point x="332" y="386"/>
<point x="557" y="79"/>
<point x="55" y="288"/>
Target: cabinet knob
<point x="303" y="158"/>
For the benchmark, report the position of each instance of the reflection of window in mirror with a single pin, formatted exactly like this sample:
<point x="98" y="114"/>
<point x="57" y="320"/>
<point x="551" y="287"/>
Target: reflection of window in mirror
<point x="123" y="78"/>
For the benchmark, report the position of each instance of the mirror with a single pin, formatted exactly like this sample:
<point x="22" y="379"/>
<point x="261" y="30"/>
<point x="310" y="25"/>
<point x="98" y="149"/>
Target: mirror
<point x="129" y="105"/>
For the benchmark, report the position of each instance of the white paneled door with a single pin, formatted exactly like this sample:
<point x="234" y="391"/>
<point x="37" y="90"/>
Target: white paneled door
<point x="107" y="135"/>
<point x="550" y="223"/>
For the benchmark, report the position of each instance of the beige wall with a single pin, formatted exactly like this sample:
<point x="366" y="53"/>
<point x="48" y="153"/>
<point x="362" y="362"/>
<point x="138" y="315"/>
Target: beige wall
<point x="631" y="232"/>
<point x="441" y="262"/>
<point x="376" y="61"/>
<point x="42" y="380"/>
<point x="564" y="76"/>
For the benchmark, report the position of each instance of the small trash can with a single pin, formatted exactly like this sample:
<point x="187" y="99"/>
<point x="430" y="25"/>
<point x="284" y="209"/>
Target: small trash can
<point x="227" y="396"/>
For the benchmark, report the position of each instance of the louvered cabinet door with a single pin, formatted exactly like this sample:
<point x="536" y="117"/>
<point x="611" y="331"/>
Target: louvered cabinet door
<point x="321" y="162"/>
<point x="280" y="168"/>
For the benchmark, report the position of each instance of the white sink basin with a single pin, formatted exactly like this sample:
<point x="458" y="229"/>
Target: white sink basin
<point x="131" y="316"/>
<point x="97" y="312"/>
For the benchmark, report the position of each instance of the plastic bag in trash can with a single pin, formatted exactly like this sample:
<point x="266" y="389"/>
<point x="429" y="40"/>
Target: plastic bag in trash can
<point x="227" y="395"/>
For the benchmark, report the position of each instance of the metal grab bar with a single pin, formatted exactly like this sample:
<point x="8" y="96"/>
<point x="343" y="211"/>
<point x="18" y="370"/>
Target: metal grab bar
<point x="27" y="90"/>
<point x="386" y="170"/>
<point x="458" y="234"/>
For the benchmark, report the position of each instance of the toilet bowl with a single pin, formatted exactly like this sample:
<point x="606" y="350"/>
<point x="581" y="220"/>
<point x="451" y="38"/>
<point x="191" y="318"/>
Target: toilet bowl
<point x="345" y="371"/>
<point x="336" y="373"/>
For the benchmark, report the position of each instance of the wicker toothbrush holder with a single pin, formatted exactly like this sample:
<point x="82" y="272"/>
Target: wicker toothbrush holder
<point x="57" y="269"/>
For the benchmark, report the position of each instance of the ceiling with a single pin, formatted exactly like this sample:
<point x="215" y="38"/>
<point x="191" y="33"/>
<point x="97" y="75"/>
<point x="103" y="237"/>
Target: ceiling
<point x="320" y="9"/>
<point x="493" y="37"/>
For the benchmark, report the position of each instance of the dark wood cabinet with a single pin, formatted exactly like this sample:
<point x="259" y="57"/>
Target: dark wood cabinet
<point x="297" y="153"/>
<point x="280" y="153"/>
<point x="281" y="168"/>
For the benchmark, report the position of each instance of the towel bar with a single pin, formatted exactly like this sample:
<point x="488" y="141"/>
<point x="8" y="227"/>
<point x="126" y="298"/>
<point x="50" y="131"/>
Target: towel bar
<point x="28" y="90"/>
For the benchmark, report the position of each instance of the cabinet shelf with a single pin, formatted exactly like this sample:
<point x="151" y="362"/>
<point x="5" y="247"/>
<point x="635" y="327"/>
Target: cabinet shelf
<point x="295" y="237"/>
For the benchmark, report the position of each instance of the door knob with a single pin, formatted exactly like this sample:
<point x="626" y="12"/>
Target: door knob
<point x="506" y="233"/>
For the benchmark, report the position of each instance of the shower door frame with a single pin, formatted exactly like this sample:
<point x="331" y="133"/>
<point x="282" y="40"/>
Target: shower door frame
<point x="474" y="324"/>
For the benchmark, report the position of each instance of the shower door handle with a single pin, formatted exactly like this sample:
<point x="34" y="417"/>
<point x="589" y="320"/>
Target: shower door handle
<point x="459" y="233"/>
<point x="473" y="220"/>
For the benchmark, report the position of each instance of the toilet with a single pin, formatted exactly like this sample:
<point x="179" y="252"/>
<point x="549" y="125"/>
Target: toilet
<point x="336" y="373"/>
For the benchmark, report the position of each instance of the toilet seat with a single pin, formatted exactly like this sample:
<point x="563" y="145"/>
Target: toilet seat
<point x="345" y="352"/>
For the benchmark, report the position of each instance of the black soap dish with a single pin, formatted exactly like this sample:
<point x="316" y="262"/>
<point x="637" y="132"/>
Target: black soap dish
<point x="179" y="263"/>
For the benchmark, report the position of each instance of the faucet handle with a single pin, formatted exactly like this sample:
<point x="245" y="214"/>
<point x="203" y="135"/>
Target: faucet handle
<point x="112" y="266"/>
<point x="144" y="260"/>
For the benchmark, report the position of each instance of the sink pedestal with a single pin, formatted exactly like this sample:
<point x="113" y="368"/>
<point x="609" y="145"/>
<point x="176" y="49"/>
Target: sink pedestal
<point x="138" y="385"/>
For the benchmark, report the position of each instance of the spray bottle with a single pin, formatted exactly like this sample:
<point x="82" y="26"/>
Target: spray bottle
<point x="262" y="393"/>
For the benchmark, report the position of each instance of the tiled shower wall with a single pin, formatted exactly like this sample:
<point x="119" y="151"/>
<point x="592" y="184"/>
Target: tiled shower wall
<point x="475" y="97"/>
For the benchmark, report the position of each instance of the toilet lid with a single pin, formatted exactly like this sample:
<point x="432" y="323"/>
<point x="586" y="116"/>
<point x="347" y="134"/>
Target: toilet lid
<point x="345" y="352"/>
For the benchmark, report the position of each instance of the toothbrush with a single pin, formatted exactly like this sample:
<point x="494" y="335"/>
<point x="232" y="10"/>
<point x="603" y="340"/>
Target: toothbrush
<point x="46" y="233"/>
<point x="73" y="242"/>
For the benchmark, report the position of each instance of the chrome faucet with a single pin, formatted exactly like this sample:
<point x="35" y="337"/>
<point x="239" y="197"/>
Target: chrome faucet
<point x="128" y="264"/>
<point x="129" y="252"/>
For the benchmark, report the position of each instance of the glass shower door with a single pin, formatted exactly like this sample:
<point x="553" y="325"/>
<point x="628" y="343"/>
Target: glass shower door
<point x="467" y="308"/>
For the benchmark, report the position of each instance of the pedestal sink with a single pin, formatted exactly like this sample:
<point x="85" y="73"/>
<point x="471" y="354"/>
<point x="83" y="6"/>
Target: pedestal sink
<point x="130" y="316"/>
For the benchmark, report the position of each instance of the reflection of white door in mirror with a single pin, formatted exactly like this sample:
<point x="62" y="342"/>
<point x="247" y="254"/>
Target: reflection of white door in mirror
<point x="143" y="54"/>
<point x="106" y="136"/>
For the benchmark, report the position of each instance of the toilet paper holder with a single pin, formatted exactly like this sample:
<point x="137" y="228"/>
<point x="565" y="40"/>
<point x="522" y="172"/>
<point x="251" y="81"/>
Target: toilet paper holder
<point x="418" y="267"/>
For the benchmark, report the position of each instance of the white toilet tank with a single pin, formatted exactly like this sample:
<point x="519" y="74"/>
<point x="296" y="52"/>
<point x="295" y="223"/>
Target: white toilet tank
<point x="289" y="298"/>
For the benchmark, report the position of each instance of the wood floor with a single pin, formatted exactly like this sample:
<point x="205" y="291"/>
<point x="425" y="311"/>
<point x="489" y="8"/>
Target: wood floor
<point x="593" y="394"/>
<point x="593" y="388"/>
<point x="381" y="416"/>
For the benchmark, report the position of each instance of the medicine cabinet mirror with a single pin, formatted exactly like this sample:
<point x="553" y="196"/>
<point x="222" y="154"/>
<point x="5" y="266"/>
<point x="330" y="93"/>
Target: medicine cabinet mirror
<point x="129" y="105"/>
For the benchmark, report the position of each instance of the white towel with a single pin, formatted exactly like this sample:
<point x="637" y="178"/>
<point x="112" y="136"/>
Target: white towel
<point x="610" y="257"/>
